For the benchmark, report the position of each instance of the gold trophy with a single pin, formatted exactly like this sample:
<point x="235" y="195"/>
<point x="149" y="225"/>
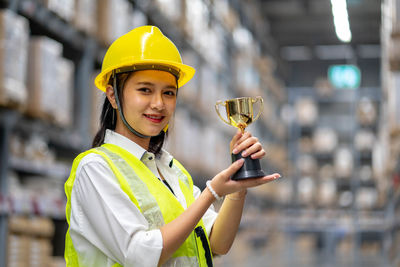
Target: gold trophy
<point x="239" y="112"/>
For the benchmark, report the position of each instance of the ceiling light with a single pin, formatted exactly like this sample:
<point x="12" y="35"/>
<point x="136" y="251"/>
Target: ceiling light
<point x="341" y="20"/>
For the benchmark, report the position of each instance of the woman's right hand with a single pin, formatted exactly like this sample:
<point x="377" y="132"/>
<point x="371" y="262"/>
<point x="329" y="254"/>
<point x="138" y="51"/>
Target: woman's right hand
<point x="223" y="185"/>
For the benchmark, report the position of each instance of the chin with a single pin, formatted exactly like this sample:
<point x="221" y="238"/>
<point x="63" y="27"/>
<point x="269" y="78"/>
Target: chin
<point x="153" y="133"/>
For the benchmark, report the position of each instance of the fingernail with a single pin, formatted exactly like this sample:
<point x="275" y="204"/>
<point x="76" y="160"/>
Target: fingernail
<point x="277" y="176"/>
<point x="240" y="161"/>
<point x="244" y="154"/>
<point x="235" y="151"/>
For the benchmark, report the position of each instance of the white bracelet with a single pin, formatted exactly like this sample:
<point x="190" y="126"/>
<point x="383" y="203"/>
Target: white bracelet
<point x="208" y="184"/>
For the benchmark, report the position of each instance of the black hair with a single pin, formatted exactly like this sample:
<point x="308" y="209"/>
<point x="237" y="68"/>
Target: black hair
<point x="108" y="119"/>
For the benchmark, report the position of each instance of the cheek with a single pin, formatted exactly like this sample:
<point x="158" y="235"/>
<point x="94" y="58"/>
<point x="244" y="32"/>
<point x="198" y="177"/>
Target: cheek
<point x="134" y="102"/>
<point x="171" y="106"/>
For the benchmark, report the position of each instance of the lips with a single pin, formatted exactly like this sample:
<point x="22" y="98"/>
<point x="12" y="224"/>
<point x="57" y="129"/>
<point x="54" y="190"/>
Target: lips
<point x="154" y="118"/>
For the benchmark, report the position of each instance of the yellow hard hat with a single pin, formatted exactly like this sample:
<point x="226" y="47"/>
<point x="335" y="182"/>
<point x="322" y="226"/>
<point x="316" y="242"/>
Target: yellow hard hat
<point x="145" y="47"/>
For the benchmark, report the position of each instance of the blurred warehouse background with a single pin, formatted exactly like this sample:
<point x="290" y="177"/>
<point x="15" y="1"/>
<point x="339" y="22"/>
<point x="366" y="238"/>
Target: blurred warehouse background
<point x="329" y="74"/>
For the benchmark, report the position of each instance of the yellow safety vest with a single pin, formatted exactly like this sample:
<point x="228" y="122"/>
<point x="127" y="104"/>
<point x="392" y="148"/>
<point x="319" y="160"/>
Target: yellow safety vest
<point x="158" y="205"/>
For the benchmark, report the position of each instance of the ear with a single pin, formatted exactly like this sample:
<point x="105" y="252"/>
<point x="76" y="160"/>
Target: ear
<point x="111" y="96"/>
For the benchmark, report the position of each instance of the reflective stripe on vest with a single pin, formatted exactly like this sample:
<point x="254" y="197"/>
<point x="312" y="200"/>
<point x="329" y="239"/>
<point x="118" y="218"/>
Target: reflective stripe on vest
<point x="157" y="204"/>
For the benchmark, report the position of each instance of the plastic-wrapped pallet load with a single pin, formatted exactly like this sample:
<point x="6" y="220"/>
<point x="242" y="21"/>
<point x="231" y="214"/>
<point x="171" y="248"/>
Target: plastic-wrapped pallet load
<point x="364" y="140"/>
<point x="396" y="15"/>
<point x="327" y="192"/>
<point x="113" y="19"/>
<point x="366" y="112"/>
<point x="394" y="101"/>
<point x="63" y="102"/>
<point x="306" y="111"/>
<point x="325" y="140"/>
<point x="85" y="16"/>
<point x="306" y="190"/>
<point x="344" y="162"/>
<point x="64" y="8"/>
<point x="14" y="40"/>
<point x="171" y="8"/>
<point x="43" y="57"/>
<point x="191" y="90"/>
<point x="307" y="164"/>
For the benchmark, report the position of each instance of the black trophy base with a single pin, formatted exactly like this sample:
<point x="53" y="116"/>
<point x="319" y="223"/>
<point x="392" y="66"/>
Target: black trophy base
<point x="250" y="169"/>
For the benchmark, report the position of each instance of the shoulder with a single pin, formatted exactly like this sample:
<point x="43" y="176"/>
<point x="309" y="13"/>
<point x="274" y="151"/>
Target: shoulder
<point x="89" y="160"/>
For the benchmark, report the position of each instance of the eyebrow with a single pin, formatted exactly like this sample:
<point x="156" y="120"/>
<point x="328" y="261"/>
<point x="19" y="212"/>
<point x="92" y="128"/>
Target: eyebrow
<point x="152" y="84"/>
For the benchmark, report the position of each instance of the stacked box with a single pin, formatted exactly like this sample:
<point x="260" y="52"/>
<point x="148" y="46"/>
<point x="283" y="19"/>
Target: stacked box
<point x="325" y="140"/>
<point x="396" y="16"/>
<point x="113" y="19"/>
<point x="43" y="61"/>
<point x="190" y="90"/>
<point x="29" y="241"/>
<point x="85" y="16"/>
<point x="171" y="9"/>
<point x="306" y="111"/>
<point x="343" y="162"/>
<point x="51" y="80"/>
<point x="17" y="251"/>
<point x="14" y="40"/>
<point x="64" y="99"/>
<point x="394" y="100"/>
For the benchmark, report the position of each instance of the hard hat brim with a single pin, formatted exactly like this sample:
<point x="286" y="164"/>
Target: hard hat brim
<point x="186" y="72"/>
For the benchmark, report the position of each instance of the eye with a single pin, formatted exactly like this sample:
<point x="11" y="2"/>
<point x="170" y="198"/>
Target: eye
<point x="170" y="93"/>
<point x="144" y="90"/>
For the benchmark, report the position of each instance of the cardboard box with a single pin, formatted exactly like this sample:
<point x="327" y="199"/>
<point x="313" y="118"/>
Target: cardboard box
<point x="29" y="241"/>
<point x="14" y="40"/>
<point x="63" y="100"/>
<point x="42" y="91"/>
<point x="113" y="19"/>
<point x="85" y="16"/>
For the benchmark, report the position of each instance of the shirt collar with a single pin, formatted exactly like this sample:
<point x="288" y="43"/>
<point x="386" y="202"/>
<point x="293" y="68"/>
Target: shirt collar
<point x="166" y="158"/>
<point x="117" y="139"/>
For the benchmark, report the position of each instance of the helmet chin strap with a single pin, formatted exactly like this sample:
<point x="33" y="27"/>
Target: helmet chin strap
<point x="121" y="113"/>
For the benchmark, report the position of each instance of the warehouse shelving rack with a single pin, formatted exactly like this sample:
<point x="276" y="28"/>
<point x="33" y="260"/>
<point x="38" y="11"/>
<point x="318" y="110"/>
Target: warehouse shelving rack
<point x="379" y="222"/>
<point x="83" y="50"/>
<point x="87" y="53"/>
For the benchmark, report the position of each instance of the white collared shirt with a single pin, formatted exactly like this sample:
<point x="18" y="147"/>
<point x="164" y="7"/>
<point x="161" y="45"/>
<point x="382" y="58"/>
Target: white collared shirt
<point x="104" y="222"/>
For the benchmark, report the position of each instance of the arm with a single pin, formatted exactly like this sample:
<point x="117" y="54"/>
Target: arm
<point x="176" y="232"/>
<point x="228" y="220"/>
<point x="227" y="223"/>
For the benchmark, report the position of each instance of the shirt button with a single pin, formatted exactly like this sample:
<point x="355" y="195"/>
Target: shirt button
<point x="150" y="158"/>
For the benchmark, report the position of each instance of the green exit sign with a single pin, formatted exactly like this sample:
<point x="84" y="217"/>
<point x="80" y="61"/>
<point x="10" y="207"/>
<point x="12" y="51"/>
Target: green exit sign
<point x="344" y="76"/>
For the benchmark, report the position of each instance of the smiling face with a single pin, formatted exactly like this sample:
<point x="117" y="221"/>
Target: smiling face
<point x="149" y="101"/>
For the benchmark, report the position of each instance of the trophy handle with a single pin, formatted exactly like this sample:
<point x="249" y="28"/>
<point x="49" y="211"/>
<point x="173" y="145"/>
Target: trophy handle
<point x="256" y="99"/>
<point x="217" y="110"/>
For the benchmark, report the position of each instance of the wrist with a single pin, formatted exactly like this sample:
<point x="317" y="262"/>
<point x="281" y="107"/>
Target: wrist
<point x="212" y="191"/>
<point x="240" y="195"/>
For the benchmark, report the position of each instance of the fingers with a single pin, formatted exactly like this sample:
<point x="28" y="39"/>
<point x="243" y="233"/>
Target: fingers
<point x="235" y="139"/>
<point x="258" y="181"/>
<point x="239" y="145"/>
<point x="233" y="168"/>
<point x="258" y="155"/>
<point x="249" y="145"/>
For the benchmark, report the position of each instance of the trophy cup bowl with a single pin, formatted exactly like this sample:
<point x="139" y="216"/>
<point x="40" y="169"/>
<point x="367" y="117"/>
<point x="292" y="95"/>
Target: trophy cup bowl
<point x="239" y="113"/>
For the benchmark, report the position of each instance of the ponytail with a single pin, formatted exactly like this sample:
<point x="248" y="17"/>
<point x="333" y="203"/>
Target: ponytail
<point x="108" y="120"/>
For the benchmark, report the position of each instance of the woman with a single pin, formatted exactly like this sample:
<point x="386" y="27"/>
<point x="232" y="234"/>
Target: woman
<point x="130" y="203"/>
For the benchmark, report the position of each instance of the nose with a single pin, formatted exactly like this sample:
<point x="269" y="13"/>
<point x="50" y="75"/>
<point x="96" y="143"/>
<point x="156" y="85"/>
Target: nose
<point x="157" y="102"/>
